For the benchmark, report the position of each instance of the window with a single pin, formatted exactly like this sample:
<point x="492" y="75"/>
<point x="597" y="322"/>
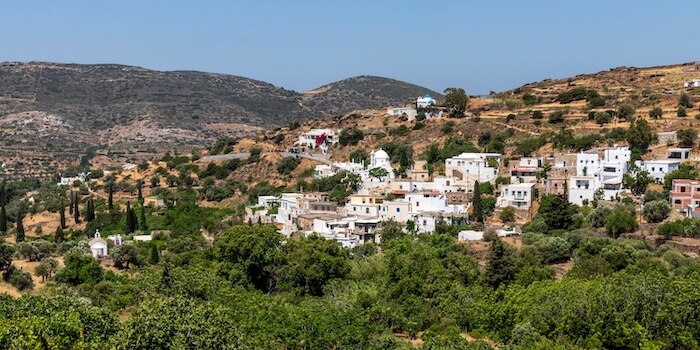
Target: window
<point x="366" y="210"/>
<point x="398" y="210"/>
<point x="682" y="189"/>
<point x="418" y="204"/>
<point x="425" y="222"/>
<point x="677" y="201"/>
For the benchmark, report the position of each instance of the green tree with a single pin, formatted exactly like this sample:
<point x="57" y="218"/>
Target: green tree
<point x="682" y="111"/>
<point x="250" y="254"/>
<point x="378" y="173"/>
<point x="508" y="214"/>
<point x="602" y="118"/>
<point x="3" y="220"/>
<point x="477" y="204"/>
<point x="314" y="261"/>
<point x="625" y="111"/>
<point x="124" y="256"/>
<point x="456" y="101"/>
<point x="46" y="268"/>
<point x="656" y="211"/>
<point x="129" y="225"/>
<point x="621" y="220"/>
<point x="687" y="137"/>
<point x="79" y="269"/>
<point x="501" y="267"/>
<point x="351" y="136"/>
<point x="656" y="113"/>
<point x="155" y="180"/>
<point x="58" y="236"/>
<point x="557" y="211"/>
<point x="639" y="135"/>
<point x="639" y="183"/>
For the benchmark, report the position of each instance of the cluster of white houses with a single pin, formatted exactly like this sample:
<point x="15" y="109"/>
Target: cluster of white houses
<point x="425" y="199"/>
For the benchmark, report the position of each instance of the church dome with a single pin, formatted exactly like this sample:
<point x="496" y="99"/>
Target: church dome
<point x="381" y="154"/>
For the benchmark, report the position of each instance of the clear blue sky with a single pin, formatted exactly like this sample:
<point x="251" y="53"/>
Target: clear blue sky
<point x="478" y="45"/>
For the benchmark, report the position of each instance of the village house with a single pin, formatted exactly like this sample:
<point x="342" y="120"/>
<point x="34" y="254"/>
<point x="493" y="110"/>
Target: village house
<point x="678" y="153"/>
<point x="582" y="189"/>
<point x="685" y="195"/>
<point x="411" y="113"/>
<point x="518" y="196"/>
<point x="470" y="167"/>
<point x="365" y="205"/>
<point x="399" y="210"/>
<point x="419" y="171"/>
<point x="658" y="169"/>
<point x="525" y="170"/>
<point x="318" y="138"/>
<point x="288" y="211"/>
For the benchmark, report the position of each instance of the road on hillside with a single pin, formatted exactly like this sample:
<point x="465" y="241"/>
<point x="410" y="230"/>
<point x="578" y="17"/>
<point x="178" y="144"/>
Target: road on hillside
<point x="246" y="155"/>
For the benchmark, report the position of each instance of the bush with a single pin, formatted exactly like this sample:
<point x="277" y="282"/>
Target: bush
<point x="656" y="112"/>
<point x="652" y="195"/>
<point x="597" y="102"/>
<point x="682" y="111"/>
<point x="287" y="165"/>
<point x="625" y="111"/>
<point x="529" y="99"/>
<point x="22" y="280"/>
<point x="508" y="214"/>
<point x="598" y="217"/>
<point x="448" y="127"/>
<point x="490" y="236"/>
<point x="537" y="115"/>
<point x="350" y="136"/>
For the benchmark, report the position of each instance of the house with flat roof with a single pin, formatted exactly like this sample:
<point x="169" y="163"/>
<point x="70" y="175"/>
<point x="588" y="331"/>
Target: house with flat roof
<point x="518" y="196"/>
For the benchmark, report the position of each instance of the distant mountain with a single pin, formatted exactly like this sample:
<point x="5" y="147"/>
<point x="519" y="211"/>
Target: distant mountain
<point x="363" y="92"/>
<point x="129" y="110"/>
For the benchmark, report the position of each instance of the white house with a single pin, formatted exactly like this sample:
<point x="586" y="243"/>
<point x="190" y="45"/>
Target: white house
<point x="340" y="230"/>
<point x="468" y="167"/>
<point x="615" y="163"/>
<point x="426" y="222"/>
<point x="582" y="188"/>
<point x="318" y="138"/>
<point x="658" y="169"/>
<point x="288" y="212"/>
<point x="525" y="170"/>
<point x="429" y="201"/>
<point x="587" y="164"/>
<point x="98" y="246"/>
<point x="364" y="205"/>
<point x="519" y="196"/>
<point x="425" y="101"/>
<point x="678" y="153"/>
<point x="691" y="84"/>
<point x="398" y="210"/>
<point x="411" y="113"/>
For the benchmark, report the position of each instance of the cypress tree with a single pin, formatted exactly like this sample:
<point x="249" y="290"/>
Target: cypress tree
<point x="501" y="267"/>
<point x="140" y="195"/>
<point x="90" y="213"/>
<point x="3" y="220"/>
<point x="127" y="216"/>
<point x="478" y="207"/>
<point x="3" y="193"/>
<point x="155" y="256"/>
<point x="134" y="220"/>
<point x="72" y="203"/>
<point x="19" y="237"/>
<point x="110" y="199"/>
<point x="76" y="210"/>
<point x="58" y="236"/>
<point x="143" y="226"/>
<point x="63" y="217"/>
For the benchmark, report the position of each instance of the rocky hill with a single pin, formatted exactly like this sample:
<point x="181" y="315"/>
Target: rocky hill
<point x="52" y="113"/>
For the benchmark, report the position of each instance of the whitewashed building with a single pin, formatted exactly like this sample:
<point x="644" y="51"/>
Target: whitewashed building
<point x="425" y="101"/>
<point x="518" y="196"/>
<point x="658" y="169"/>
<point x="288" y="212"/>
<point x="398" y="210"/>
<point x="318" y="138"/>
<point x="582" y="188"/>
<point x="469" y="167"/>
<point x="98" y="246"/>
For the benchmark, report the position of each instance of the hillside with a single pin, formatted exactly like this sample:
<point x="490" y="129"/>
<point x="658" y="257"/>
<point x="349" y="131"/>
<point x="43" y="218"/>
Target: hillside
<point x="130" y="113"/>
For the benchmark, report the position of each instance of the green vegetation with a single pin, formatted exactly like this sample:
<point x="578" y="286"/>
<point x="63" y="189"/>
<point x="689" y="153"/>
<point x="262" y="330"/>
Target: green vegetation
<point x="456" y="101"/>
<point x="350" y="136"/>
